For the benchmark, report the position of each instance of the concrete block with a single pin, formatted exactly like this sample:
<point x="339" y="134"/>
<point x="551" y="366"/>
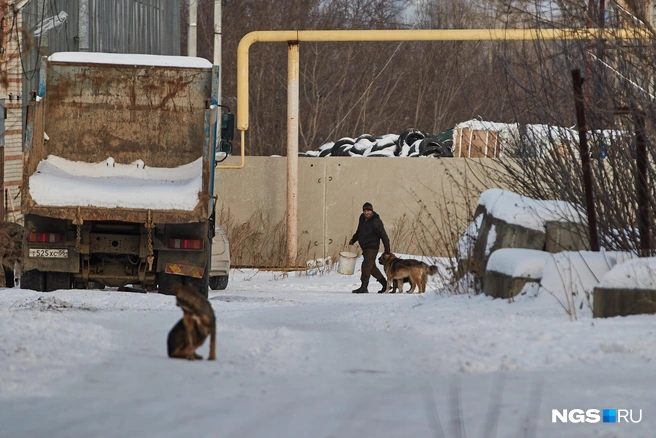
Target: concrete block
<point x="566" y="236"/>
<point x="499" y="285"/>
<point x="609" y="302"/>
<point x="496" y="234"/>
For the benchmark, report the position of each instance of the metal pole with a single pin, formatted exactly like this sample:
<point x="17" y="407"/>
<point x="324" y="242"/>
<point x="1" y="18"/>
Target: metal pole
<point x="642" y="189"/>
<point x="217" y="41"/>
<point x="217" y="32"/>
<point x="585" y="159"/>
<point x="292" y="152"/>
<point x="191" y="36"/>
<point x="84" y="26"/>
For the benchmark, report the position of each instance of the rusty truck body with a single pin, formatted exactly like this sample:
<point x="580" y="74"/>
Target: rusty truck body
<point x="118" y="172"/>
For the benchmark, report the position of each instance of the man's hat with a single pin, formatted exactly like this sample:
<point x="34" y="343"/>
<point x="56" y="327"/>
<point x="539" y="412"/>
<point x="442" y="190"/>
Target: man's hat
<point x="367" y="206"/>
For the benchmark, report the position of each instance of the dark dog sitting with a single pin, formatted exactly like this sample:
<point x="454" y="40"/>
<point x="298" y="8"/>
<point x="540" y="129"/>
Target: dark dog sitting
<point x="178" y="341"/>
<point x="198" y="322"/>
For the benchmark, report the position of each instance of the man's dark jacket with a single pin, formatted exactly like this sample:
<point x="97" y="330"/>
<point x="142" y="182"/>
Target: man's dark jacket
<point x="370" y="232"/>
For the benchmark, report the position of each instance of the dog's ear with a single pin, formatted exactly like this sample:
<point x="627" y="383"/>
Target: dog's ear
<point x="176" y="289"/>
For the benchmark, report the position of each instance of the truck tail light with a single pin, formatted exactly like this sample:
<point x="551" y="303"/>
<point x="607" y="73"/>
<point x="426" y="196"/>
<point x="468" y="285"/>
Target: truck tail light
<point x="44" y="237"/>
<point x="185" y="244"/>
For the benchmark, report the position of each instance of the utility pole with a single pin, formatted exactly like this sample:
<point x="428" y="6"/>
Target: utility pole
<point x="585" y="159"/>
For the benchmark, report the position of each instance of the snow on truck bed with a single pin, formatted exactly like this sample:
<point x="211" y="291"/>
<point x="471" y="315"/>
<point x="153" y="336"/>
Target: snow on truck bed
<point x="58" y="182"/>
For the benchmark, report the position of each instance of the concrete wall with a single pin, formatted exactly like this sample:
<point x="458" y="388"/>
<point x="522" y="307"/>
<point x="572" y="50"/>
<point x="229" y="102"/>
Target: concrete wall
<point x="419" y="200"/>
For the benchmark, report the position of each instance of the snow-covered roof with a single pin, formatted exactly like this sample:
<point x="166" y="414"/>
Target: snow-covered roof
<point x="530" y="213"/>
<point x="59" y="182"/>
<point x="483" y="125"/>
<point x="130" y="59"/>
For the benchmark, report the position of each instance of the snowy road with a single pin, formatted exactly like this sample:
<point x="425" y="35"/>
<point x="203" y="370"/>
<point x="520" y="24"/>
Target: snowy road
<point x="303" y="357"/>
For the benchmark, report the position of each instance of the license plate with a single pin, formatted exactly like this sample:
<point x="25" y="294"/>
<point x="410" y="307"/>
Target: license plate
<point x="49" y="253"/>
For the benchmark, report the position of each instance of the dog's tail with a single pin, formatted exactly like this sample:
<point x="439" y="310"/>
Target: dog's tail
<point x="432" y="270"/>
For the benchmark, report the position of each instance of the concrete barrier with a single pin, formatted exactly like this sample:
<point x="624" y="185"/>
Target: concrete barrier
<point x="609" y="302"/>
<point x="418" y="199"/>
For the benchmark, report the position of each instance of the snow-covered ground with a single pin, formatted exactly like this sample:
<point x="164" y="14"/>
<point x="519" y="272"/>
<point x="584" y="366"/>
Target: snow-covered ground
<point x="300" y="356"/>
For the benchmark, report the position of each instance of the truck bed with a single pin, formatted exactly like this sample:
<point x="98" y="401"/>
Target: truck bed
<point x="121" y="138"/>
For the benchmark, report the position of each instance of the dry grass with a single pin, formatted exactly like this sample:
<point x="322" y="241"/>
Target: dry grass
<point x="441" y="236"/>
<point x="260" y="241"/>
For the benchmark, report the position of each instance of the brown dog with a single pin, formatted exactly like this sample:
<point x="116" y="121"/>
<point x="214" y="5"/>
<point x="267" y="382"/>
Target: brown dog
<point x="198" y="321"/>
<point x="397" y="269"/>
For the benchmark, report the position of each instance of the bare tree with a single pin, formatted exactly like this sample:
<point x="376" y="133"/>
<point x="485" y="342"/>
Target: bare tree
<point x="348" y="89"/>
<point x="618" y="97"/>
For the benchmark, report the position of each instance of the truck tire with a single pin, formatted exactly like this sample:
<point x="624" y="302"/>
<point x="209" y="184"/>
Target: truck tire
<point x="202" y="285"/>
<point x="219" y="282"/>
<point x="165" y="282"/>
<point x="33" y="279"/>
<point x="57" y="280"/>
<point x="9" y="278"/>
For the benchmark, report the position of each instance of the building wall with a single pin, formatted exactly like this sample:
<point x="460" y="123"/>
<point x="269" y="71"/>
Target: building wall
<point x="13" y="123"/>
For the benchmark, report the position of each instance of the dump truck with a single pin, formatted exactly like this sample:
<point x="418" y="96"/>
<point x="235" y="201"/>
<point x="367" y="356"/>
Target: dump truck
<point x="118" y="174"/>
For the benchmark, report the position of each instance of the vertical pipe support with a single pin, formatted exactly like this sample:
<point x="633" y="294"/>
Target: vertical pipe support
<point x="292" y="151"/>
<point x="193" y="29"/>
<point x="217" y="32"/>
<point x="585" y="159"/>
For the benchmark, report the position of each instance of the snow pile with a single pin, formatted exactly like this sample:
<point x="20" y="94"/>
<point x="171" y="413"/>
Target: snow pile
<point x="527" y="212"/>
<point x="410" y="143"/>
<point x="301" y="356"/>
<point x="639" y="273"/>
<point x="571" y="276"/>
<point x="59" y="182"/>
<point x="518" y="262"/>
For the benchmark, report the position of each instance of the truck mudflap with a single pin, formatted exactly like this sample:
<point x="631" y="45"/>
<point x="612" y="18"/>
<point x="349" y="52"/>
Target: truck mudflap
<point x="185" y="270"/>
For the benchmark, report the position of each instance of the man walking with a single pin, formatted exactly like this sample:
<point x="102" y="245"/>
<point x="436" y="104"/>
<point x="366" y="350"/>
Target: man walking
<point x="369" y="233"/>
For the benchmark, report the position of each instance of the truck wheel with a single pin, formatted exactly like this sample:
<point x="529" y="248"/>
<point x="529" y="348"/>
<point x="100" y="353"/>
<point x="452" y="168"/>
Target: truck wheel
<point x="95" y="285"/>
<point x="202" y="285"/>
<point x="165" y="282"/>
<point x="219" y="282"/>
<point x="9" y="277"/>
<point x="33" y="279"/>
<point x="57" y="280"/>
